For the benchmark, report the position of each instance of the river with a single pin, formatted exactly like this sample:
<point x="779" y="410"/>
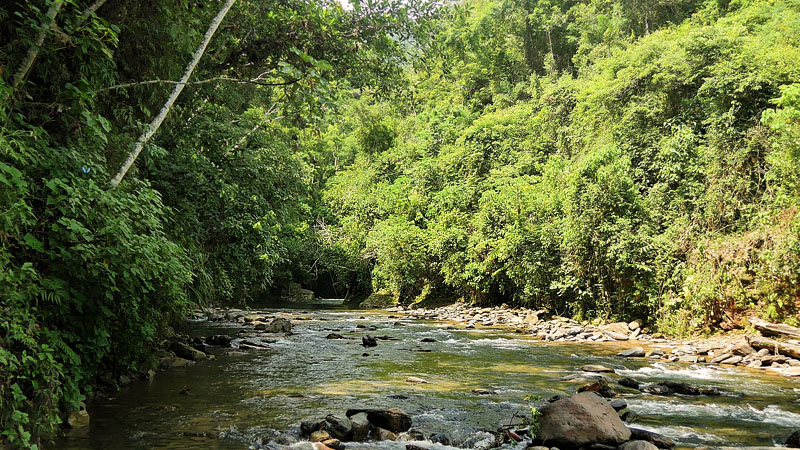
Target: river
<point x="237" y="400"/>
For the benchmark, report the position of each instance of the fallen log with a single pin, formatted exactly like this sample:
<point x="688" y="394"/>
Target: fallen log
<point x="774" y="329"/>
<point x="776" y="347"/>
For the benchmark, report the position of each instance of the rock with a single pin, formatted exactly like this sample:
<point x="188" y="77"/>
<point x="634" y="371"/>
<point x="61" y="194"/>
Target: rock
<point x="617" y="327"/>
<point x="600" y="387"/>
<point x="652" y="437"/>
<point x="335" y="444"/>
<point x="319" y="446"/>
<point x="427" y="340"/>
<point x="294" y="292"/>
<point x="392" y="419"/>
<point x="616" y="336"/>
<point x="319" y="436"/>
<point x="124" y="380"/>
<point x="186" y="352"/>
<point x="369" y="341"/>
<point x="637" y="445"/>
<point x="688" y="359"/>
<point x="732" y="360"/>
<point x="359" y="426"/>
<point x="415" y="380"/>
<point x="260" y="327"/>
<point x="793" y="441"/>
<point x="339" y="427"/>
<point x="742" y="349"/>
<point x="657" y="389"/>
<point x="628" y="382"/>
<point x="791" y="372"/>
<point x="596" y="368"/>
<point x="414" y="447"/>
<point x="618" y="404"/>
<point x="636" y="352"/>
<point x="483" y="392"/>
<point x="79" y="418"/>
<point x="634" y="325"/>
<point x="680" y="387"/>
<point x="279" y="326"/>
<point x="220" y="340"/>
<point x="309" y="426"/>
<point x="334" y="336"/>
<point x="382" y="434"/>
<point x="579" y="420"/>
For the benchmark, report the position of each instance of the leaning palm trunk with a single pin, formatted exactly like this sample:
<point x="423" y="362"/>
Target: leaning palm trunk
<point x="153" y="126"/>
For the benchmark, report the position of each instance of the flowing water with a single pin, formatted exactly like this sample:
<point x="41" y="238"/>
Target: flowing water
<point x="238" y="400"/>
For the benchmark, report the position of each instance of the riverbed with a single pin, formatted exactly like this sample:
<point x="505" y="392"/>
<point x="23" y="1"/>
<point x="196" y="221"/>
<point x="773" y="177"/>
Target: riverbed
<point x="240" y="400"/>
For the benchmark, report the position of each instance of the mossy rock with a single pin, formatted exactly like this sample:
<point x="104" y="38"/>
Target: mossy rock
<point x="378" y="300"/>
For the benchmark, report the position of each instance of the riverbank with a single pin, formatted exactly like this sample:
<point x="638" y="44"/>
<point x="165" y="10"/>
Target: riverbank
<point x="749" y="350"/>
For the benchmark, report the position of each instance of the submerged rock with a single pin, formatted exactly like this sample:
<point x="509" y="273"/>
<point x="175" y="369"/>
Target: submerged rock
<point x="369" y="341"/>
<point x="579" y="420"/>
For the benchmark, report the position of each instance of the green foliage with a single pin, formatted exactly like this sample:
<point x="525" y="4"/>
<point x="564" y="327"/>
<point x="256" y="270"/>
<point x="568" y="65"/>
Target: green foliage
<point x="619" y="167"/>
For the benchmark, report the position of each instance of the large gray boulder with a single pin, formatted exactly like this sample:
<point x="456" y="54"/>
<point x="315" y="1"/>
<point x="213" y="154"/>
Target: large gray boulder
<point x="339" y="427"/>
<point x="581" y="419"/>
<point x="360" y="426"/>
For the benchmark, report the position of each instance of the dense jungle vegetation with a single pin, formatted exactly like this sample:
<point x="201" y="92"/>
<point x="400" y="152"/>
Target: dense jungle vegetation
<point x="597" y="158"/>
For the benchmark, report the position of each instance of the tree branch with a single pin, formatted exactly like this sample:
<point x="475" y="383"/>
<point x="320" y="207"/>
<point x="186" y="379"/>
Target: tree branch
<point x="159" y="119"/>
<point x="33" y="50"/>
<point x="256" y="81"/>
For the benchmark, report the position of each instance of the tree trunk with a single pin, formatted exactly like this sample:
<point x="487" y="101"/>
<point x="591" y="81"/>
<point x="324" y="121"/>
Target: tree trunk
<point x="156" y="123"/>
<point x="775" y="329"/>
<point x="33" y="51"/>
<point x="776" y="347"/>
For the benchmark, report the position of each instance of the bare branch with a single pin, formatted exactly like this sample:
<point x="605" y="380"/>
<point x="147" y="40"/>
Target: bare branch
<point x="208" y="80"/>
<point x="33" y="50"/>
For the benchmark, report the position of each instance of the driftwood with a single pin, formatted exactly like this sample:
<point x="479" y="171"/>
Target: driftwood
<point x="775" y="329"/>
<point x="776" y="347"/>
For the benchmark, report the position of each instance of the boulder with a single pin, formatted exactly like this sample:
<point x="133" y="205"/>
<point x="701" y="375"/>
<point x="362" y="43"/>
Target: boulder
<point x="220" y="340"/>
<point x="637" y="445"/>
<point x="793" y="441"/>
<point x="652" y="437"/>
<point x="339" y="427"/>
<point x="309" y="426"/>
<point x="616" y="336"/>
<point x="319" y="436"/>
<point x="393" y="419"/>
<point x="79" y="418"/>
<point x="635" y="325"/>
<point x="581" y="419"/>
<point x="334" y="336"/>
<point x="617" y="327"/>
<point x="359" y="426"/>
<point x="636" y="352"/>
<point x="629" y="383"/>
<point x="186" y="352"/>
<point x="369" y="341"/>
<point x="279" y="326"/>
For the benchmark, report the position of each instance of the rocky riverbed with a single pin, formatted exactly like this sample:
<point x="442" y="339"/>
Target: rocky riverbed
<point x="464" y="378"/>
<point x="731" y="349"/>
